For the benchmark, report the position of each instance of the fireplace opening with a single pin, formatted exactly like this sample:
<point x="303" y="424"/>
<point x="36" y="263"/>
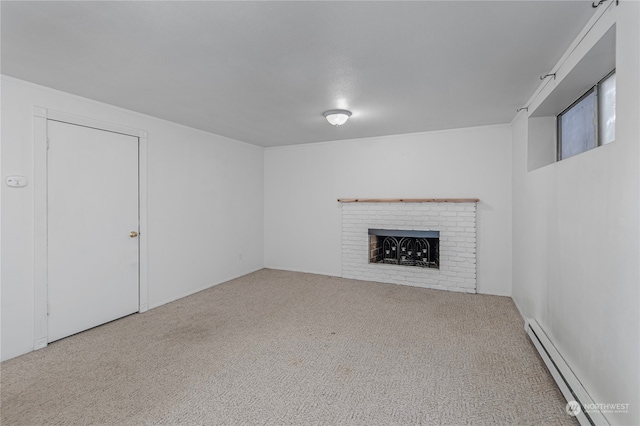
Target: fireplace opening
<point x="406" y="248"/>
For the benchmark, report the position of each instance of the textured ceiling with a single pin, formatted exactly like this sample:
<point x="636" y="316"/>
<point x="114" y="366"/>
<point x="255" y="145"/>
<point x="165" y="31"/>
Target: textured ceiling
<point x="264" y="72"/>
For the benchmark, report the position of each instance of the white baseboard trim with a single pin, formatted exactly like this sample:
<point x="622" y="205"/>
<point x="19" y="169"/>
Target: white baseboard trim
<point x="303" y="271"/>
<point x="520" y="312"/>
<point x="566" y="380"/>
<point x="40" y="344"/>
<point x="189" y="293"/>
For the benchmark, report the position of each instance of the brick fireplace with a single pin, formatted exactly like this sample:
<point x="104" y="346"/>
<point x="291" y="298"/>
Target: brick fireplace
<point x="411" y="226"/>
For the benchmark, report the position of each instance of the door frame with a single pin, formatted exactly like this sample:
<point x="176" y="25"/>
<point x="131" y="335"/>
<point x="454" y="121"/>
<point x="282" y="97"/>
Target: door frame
<point x="41" y="116"/>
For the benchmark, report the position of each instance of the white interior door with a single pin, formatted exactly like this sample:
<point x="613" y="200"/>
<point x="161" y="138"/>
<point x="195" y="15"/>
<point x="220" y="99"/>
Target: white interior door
<point x="93" y="259"/>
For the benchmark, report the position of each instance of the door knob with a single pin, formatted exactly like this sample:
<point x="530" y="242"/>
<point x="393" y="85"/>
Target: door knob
<point x="133" y="234"/>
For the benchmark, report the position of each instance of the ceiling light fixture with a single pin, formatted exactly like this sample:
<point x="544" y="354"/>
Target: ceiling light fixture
<point x="337" y="117"/>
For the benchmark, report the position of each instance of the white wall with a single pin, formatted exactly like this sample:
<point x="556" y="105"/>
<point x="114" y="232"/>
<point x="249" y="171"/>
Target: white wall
<point x="303" y="182"/>
<point x="205" y="205"/>
<point x="576" y="242"/>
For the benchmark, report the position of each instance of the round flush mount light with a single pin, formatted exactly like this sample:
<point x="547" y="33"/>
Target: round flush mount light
<point x="337" y="117"/>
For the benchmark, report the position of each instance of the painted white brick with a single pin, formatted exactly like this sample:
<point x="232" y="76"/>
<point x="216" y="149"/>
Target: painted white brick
<point x="457" y="226"/>
<point x="466" y="224"/>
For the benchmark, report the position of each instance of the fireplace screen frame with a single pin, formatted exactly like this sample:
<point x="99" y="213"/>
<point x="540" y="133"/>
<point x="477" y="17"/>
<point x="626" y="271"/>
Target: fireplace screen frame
<point x="405" y="247"/>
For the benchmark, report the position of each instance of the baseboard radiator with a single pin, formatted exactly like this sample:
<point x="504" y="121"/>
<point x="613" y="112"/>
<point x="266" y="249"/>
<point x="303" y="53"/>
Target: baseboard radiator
<point x="567" y="381"/>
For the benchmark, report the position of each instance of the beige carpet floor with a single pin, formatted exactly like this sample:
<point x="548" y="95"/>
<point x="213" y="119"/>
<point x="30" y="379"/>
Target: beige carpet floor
<point x="280" y="348"/>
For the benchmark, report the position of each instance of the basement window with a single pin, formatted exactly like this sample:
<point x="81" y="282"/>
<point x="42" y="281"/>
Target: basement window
<point x="587" y="86"/>
<point x="590" y="121"/>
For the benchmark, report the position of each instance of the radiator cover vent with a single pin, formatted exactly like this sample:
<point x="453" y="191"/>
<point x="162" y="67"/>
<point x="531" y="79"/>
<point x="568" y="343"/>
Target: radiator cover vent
<point x="566" y="380"/>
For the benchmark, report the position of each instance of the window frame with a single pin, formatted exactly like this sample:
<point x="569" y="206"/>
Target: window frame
<point x="595" y="89"/>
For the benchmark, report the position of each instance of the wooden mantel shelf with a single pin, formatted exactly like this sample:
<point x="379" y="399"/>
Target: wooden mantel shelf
<point x="408" y="200"/>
